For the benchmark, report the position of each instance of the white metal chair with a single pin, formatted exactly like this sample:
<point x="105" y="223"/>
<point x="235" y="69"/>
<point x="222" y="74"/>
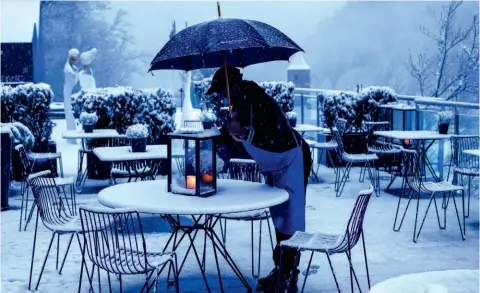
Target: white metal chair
<point x="414" y="180"/>
<point x="367" y="160"/>
<point x="114" y="242"/>
<point x="51" y="209"/>
<point x="330" y="244"/>
<point x="60" y="182"/>
<point x="247" y="170"/>
<point x="463" y="164"/>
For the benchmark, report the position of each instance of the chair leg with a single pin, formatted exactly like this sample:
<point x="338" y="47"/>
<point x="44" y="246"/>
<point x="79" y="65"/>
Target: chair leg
<point x="365" y="257"/>
<point x="23" y="190"/>
<point x="410" y="195"/>
<point x="33" y="253"/>
<point x="344" y="178"/>
<point x="45" y="260"/>
<point x="353" y="275"/>
<point x="467" y="212"/>
<point x="333" y="272"/>
<point x="66" y="253"/>
<point x="308" y="270"/>
<point x="417" y="234"/>
<point x="270" y="233"/>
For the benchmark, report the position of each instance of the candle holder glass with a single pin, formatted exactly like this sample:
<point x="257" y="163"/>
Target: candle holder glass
<point x="192" y="170"/>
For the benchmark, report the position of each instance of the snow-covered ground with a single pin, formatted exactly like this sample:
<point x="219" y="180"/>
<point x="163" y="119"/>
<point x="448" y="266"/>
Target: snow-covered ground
<point x="390" y="253"/>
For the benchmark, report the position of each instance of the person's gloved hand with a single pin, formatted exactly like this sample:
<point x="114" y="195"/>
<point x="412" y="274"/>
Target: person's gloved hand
<point x="236" y="130"/>
<point x="269" y="179"/>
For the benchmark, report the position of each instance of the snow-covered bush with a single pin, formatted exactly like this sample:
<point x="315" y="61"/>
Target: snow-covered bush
<point x="208" y="116"/>
<point x="29" y="104"/>
<point x="137" y="131"/>
<point x="354" y="107"/>
<point x="282" y="92"/>
<point x="445" y="117"/>
<point x="119" y="107"/>
<point x="292" y="115"/>
<point x="213" y="102"/>
<point x="19" y="132"/>
<point x="88" y="118"/>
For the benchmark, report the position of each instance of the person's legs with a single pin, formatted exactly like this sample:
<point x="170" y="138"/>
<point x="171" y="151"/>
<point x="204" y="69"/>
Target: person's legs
<point x="288" y="262"/>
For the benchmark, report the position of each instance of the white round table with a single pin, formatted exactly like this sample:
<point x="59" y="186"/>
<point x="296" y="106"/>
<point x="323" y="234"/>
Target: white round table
<point x="232" y="196"/>
<point x="451" y="281"/>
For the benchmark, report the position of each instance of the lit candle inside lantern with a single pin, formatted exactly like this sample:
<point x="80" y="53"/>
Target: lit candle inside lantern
<point x="191" y="182"/>
<point x="207" y="178"/>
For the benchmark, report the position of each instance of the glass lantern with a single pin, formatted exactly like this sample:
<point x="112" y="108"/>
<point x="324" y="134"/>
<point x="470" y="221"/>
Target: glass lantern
<point x="192" y="161"/>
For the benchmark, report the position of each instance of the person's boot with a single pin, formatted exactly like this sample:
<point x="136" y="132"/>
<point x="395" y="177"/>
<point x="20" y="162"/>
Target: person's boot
<point x="288" y="284"/>
<point x="269" y="281"/>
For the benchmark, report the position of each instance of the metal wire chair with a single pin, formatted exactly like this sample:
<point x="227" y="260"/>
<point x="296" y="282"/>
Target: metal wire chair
<point x="51" y="209"/>
<point x="114" y="242"/>
<point x="327" y="148"/>
<point x="248" y="170"/>
<point x="413" y="177"/>
<point x="367" y="160"/>
<point x="463" y="164"/>
<point x="330" y="244"/>
<point x="60" y="182"/>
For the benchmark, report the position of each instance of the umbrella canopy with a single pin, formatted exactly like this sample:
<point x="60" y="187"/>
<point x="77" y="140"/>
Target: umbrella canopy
<point x="241" y="42"/>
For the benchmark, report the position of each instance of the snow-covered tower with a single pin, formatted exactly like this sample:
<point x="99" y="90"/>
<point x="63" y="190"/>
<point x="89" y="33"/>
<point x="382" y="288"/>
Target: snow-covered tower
<point x="299" y="72"/>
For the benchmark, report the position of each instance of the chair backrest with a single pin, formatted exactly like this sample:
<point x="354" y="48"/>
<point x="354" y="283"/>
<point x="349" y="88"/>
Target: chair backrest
<point x="373" y="126"/>
<point x="412" y="168"/>
<point x="459" y="143"/>
<point x="114" y="240"/>
<point x="193" y="124"/>
<point x="27" y="168"/>
<point x="355" y="223"/>
<point x="338" y="135"/>
<point x="244" y="169"/>
<point x="51" y="207"/>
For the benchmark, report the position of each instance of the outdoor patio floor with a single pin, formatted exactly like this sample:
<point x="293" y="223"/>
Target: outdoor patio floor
<point x="390" y="253"/>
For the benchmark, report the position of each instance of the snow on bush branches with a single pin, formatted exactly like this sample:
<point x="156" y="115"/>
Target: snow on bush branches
<point x="88" y="118"/>
<point x="208" y="116"/>
<point x="355" y="107"/>
<point x="29" y="104"/>
<point x="445" y="117"/>
<point x="119" y="107"/>
<point x="137" y="131"/>
<point x="19" y="132"/>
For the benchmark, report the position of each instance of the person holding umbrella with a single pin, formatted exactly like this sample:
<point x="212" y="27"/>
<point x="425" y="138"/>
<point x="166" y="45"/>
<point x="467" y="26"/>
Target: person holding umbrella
<point x="259" y="123"/>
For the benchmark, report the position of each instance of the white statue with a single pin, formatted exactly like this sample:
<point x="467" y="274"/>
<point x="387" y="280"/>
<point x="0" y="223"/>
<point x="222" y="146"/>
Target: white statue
<point x="71" y="78"/>
<point x="86" y="78"/>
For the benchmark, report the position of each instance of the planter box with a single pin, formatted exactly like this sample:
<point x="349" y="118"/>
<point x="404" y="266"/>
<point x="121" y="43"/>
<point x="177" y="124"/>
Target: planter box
<point x="6" y="149"/>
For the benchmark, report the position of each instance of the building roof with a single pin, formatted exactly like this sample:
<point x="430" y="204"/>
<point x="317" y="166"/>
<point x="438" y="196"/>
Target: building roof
<point x="17" y="19"/>
<point x="297" y="62"/>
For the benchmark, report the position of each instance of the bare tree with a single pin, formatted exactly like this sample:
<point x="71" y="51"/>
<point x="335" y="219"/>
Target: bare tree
<point x="453" y="68"/>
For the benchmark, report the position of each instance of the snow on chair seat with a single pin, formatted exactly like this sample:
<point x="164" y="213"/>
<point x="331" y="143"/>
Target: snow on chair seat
<point x="120" y="172"/>
<point x="353" y="158"/>
<point x="330" y="145"/>
<point x="242" y="161"/>
<point x="43" y="156"/>
<point x="250" y="215"/>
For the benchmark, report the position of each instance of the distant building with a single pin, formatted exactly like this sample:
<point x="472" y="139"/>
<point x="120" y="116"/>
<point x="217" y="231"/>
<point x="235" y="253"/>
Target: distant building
<point x="20" y="46"/>
<point x="299" y="72"/>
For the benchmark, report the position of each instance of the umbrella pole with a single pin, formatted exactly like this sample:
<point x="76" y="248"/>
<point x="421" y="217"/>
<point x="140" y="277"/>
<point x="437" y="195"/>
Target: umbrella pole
<point x="225" y="69"/>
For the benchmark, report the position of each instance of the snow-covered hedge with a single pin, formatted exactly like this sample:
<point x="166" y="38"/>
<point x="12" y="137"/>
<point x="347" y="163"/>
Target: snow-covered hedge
<point x="355" y="107"/>
<point x="29" y="104"/>
<point x="20" y="133"/>
<point x="282" y="92"/>
<point x="119" y="107"/>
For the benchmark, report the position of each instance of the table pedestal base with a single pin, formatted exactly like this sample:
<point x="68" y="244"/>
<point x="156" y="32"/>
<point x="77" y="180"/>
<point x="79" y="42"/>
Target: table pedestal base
<point x="207" y="224"/>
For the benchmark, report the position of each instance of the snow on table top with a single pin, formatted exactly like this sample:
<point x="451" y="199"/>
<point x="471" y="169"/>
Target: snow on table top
<point x="472" y="152"/>
<point x="412" y="134"/>
<point x="152" y="197"/>
<point x="309" y="128"/>
<point x="124" y="153"/>
<point x="97" y="133"/>
<point x="454" y="281"/>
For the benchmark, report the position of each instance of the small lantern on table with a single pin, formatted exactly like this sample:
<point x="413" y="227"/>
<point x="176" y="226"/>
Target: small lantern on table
<point x="198" y="174"/>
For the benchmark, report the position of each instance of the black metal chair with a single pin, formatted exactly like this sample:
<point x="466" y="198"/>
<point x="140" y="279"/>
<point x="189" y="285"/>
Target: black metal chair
<point x="327" y="148"/>
<point x="248" y="170"/>
<point x="368" y="161"/>
<point x="114" y="242"/>
<point x="464" y="164"/>
<point x="415" y="181"/>
<point x="51" y="209"/>
<point x="330" y="244"/>
<point x="60" y="182"/>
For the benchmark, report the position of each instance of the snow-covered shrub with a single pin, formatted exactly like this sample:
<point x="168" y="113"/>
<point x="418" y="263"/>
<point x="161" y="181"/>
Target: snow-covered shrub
<point x="29" y="104"/>
<point x="213" y="102"/>
<point x="292" y="115"/>
<point x="19" y="132"/>
<point x="282" y="92"/>
<point x="137" y="131"/>
<point x="208" y="116"/>
<point x="445" y="117"/>
<point x="88" y="118"/>
<point x="354" y="107"/>
<point x="119" y="107"/>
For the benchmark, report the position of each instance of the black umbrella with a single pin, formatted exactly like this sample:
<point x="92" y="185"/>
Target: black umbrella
<point x="224" y="42"/>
